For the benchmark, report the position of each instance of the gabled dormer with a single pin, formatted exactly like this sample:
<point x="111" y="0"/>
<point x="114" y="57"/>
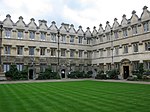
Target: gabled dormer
<point x="43" y="25"/>
<point x="100" y="30"/>
<point x="124" y="21"/>
<point x="53" y="28"/>
<point x="134" y="18"/>
<point x="20" y="24"/>
<point x="8" y="22"/>
<point x="145" y="14"/>
<point x="32" y="25"/>
<point x="108" y="27"/>
<point x="94" y="33"/>
<point x="64" y="28"/>
<point x="72" y="31"/>
<point x="88" y="33"/>
<point x="115" y="24"/>
<point x="80" y="32"/>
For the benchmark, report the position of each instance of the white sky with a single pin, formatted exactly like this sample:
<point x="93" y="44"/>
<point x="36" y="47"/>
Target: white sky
<point x="87" y="13"/>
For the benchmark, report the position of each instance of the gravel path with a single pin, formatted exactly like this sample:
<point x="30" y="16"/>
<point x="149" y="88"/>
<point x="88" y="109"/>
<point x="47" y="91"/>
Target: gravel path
<point x="65" y="80"/>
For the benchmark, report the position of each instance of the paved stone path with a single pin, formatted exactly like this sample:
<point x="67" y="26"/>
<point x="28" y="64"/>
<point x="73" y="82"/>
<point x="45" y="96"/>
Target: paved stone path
<point x="65" y="80"/>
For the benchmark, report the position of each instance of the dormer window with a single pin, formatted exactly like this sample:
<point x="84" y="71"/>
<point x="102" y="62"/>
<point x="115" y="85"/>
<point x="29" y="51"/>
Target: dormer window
<point x="43" y="36"/>
<point x="20" y="34"/>
<point x="146" y="27"/>
<point x="32" y="35"/>
<point x="108" y="36"/>
<point x="80" y="39"/>
<point x="63" y="38"/>
<point x="134" y="30"/>
<point x="7" y="33"/>
<point x="53" y="37"/>
<point x="116" y="34"/>
<point x="71" y="39"/>
<point x="125" y="33"/>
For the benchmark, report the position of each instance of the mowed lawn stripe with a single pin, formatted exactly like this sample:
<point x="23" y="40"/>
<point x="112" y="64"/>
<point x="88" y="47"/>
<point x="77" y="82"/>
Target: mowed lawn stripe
<point x="50" y="102"/>
<point x="83" y="96"/>
<point x="69" y="97"/>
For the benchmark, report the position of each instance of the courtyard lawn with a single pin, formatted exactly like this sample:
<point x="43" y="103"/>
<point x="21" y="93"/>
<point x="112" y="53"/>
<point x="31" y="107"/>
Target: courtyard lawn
<point x="78" y="96"/>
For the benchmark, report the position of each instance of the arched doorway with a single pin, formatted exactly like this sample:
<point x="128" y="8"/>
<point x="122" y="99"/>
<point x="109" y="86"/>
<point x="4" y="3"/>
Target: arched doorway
<point x="31" y="73"/>
<point x="125" y="72"/>
<point x="125" y="68"/>
<point x="63" y="73"/>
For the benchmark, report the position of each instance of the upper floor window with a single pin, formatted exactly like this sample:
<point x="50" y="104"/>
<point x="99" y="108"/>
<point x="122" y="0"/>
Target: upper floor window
<point x="125" y="33"/>
<point x="53" y="51"/>
<point x="146" y="27"/>
<point x="134" y="30"/>
<point x="80" y="39"/>
<point x="19" y="50"/>
<point x="32" y="35"/>
<point x="89" y="54"/>
<point x="116" y="34"/>
<point x="63" y="38"/>
<point x="42" y="51"/>
<point x="7" y="33"/>
<point x="63" y="52"/>
<point x="117" y="51"/>
<point x="95" y="54"/>
<point x="80" y="53"/>
<point x="7" y="49"/>
<point x="125" y="49"/>
<point x="31" y="50"/>
<point x="71" y="39"/>
<point x="108" y="51"/>
<point x="135" y="47"/>
<point x="72" y="52"/>
<point x="147" y="46"/>
<point x="53" y="37"/>
<point x="20" y="34"/>
<point x="43" y="36"/>
<point x="101" y="52"/>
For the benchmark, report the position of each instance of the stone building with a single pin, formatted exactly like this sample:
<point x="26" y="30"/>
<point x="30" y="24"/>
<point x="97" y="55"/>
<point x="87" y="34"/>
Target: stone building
<point x="121" y="46"/>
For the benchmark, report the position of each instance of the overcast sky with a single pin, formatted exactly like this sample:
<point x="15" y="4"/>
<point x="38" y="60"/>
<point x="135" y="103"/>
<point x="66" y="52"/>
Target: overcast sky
<point x="87" y="13"/>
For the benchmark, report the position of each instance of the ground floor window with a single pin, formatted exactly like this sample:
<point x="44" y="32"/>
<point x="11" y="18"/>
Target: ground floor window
<point x="42" y="67"/>
<point x="135" y="65"/>
<point x="101" y="66"/>
<point x="20" y="67"/>
<point x="147" y="65"/>
<point x="6" y="67"/>
<point x="116" y="66"/>
<point x="108" y="66"/>
<point x="54" y="67"/>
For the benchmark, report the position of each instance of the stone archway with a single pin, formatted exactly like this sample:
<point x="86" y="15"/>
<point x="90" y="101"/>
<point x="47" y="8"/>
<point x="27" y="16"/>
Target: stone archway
<point x="126" y="68"/>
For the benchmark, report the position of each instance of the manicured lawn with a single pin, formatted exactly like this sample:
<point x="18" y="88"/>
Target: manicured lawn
<point x="79" y="96"/>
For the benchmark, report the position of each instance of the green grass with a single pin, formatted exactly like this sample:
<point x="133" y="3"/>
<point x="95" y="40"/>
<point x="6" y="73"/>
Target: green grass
<point x="79" y="96"/>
